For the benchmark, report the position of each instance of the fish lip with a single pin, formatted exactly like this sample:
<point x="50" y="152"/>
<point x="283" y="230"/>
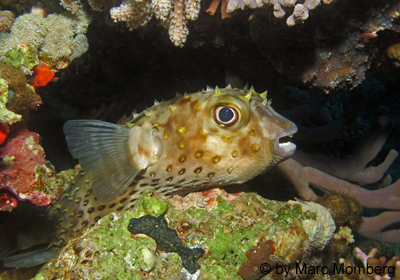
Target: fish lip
<point x="284" y="150"/>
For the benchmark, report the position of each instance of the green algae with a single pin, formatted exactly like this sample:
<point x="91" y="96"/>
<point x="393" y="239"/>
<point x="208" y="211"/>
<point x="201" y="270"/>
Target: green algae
<point x="7" y="117"/>
<point x="150" y="204"/>
<point x="21" y="57"/>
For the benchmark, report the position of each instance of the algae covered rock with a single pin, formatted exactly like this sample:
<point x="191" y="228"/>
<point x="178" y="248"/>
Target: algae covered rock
<point x="226" y="226"/>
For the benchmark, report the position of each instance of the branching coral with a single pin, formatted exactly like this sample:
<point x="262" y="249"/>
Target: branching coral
<point x="173" y="15"/>
<point x="299" y="9"/>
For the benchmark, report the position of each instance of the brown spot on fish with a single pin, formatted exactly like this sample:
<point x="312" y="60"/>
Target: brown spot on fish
<point x="123" y="200"/>
<point x="143" y="185"/>
<point x="182" y="171"/>
<point x="96" y="219"/>
<point x="165" y="136"/>
<point x="216" y="159"/>
<point x="72" y="214"/>
<point x="181" y="145"/>
<point x="198" y="154"/>
<point x="230" y="169"/>
<point x="152" y="174"/>
<point x="203" y="132"/>
<point x="182" y="158"/>
<point x="112" y="205"/>
<point x="225" y="138"/>
<point x="193" y="105"/>
<point x="133" y="192"/>
<point x="88" y="193"/>
<point x="155" y="180"/>
<point x="169" y="179"/>
<point x="100" y="208"/>
<point x="77" y="200"/>
<point x="210" y="175"/>
<point x="234" y="153"/>
<point x="80" y="214"/>
<point x="70" y="225"/>
<point x="120" y="208"/>
<point x="253" y="131"/>
<point x="133" y="200"/>
<point x="84" y="224"/>
<point x="90" y="210"/>
<point x="169" y="168"/>
<point x="198" y="170"/>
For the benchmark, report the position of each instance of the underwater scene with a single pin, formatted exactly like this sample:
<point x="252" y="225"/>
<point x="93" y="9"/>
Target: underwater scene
<point x="201" y="140"/>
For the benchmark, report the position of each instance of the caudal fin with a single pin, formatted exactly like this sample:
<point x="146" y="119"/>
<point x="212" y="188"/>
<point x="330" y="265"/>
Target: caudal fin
<point x="39" y="255"/>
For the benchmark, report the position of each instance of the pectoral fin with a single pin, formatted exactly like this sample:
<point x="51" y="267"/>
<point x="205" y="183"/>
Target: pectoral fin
<point x="109" y="153"/>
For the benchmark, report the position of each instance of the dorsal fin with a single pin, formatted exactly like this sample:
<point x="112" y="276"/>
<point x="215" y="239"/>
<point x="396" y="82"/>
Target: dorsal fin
<point x="102" y="151"/>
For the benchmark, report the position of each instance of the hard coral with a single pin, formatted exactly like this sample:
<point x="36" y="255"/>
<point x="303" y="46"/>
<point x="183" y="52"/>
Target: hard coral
<point x="172" y="14"/>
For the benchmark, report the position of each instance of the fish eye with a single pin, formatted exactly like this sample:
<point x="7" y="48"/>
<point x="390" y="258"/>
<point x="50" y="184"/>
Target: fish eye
<point x="226" y="115"/>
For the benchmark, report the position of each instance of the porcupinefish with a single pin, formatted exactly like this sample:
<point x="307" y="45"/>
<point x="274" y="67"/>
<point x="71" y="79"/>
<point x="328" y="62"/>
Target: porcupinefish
<point x="214" y="137"/>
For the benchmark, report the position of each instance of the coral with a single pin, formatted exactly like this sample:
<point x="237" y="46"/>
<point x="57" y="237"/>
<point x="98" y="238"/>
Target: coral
<point x="71" y="5"/>
<point x="81" y="45"/>
<point x="281" y="7"/>
<point x="345" y="209"/>
<point x="25" y="98"/>
<point x="6" y="20"/>
<point x="24" y="172"/>
<point x="7" y="117"/>
<point x="7" y="201"/>
<point x="328" y="54"/>
<point x="227" y="226"/>
<point x="23" y="57"/>
<point x="372" y="267"/>
<point x="43" y="75"/>
<point x="53" y="36"/>
<point x="175" y="17"/>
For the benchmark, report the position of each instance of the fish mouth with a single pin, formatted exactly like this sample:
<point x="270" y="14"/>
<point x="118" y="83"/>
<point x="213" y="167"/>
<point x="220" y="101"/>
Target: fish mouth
<point x="283" y="148"/>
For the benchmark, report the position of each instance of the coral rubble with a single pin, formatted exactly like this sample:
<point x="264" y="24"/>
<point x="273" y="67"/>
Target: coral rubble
<point x="225" y="225"/>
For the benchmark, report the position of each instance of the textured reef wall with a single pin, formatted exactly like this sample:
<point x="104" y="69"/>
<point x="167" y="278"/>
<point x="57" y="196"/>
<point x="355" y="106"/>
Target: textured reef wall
<point x="237" y="232"/>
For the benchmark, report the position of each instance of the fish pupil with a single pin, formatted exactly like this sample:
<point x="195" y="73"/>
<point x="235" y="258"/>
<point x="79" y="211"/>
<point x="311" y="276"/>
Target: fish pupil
<point x="225" y="114"/>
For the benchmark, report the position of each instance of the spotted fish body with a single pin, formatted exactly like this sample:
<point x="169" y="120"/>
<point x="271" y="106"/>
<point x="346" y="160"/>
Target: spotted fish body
<point x="214" y="137"/>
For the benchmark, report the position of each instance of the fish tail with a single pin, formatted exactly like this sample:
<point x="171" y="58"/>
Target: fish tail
<point x="39" y="255"/>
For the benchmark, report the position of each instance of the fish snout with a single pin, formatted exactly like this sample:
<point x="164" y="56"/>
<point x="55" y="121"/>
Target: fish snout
<point x="283" y="148"/>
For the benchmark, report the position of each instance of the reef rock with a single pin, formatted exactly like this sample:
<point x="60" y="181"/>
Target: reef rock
<point x="225" y="227"/>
